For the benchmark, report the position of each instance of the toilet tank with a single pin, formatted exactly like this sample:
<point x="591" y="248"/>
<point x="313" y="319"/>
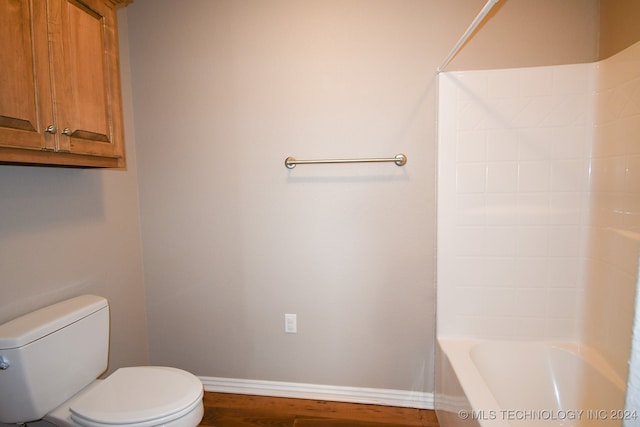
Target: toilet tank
<point x="48" y="355"/>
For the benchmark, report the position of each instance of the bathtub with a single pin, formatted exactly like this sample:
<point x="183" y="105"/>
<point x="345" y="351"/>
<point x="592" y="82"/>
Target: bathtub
<point x="526" y="384"/>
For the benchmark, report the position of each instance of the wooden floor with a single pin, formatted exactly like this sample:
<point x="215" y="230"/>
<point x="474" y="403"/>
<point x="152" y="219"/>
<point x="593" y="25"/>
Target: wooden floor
<point x="235" y="410"/>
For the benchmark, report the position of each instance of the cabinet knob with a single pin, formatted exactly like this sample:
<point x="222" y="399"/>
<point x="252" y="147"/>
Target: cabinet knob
<point x="67" y="131"/>
<point x="51" y="129"/>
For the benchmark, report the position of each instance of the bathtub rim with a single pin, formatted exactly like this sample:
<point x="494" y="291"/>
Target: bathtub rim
<point x="457" y="352"/>
<point x="476" y="391"/>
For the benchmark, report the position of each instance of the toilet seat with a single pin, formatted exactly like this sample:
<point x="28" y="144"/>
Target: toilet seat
<point x="141" y="397"/>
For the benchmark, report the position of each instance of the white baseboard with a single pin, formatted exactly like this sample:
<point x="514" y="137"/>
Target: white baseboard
<point x="375" y="396"/>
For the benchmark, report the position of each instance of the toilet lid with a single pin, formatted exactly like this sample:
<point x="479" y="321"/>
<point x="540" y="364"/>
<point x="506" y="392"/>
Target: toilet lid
<point x="138" y="395"/>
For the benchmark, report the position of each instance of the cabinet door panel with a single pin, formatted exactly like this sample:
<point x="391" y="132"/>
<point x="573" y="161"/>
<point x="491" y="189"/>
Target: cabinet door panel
<point x="91" y="80"/>
<point x="25" y="90"/>
<point x="87" y="68"/>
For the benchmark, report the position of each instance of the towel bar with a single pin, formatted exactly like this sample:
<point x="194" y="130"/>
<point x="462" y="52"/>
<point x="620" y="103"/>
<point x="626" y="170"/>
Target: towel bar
<point x="399" y="159"/>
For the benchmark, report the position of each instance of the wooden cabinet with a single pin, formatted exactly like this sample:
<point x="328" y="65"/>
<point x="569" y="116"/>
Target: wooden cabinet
<point x="60" y="98"/>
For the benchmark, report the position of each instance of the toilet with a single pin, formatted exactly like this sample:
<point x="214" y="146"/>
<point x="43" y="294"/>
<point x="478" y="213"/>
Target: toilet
<point x="50" y="360"/>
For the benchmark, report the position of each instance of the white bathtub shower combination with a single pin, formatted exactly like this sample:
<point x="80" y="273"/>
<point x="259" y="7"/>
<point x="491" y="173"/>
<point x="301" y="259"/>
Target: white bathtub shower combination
<point x="538" y="243"/>
<point x="528" y="384"/>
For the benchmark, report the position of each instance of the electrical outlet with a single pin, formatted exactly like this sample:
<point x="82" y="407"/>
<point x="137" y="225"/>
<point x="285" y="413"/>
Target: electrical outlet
<point x="290" y="323"/>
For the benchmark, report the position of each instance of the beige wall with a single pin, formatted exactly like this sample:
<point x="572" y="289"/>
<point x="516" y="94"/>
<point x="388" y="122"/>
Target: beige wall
<point x="223" y="92"/>
<point x="525" y="33"/>
<point x="619" y="27"/>
<point x="66" y="232"/>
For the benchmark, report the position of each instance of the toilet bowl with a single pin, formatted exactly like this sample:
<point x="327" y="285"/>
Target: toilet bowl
<point x="49" y="362"/>
<point x="143" y="396"/>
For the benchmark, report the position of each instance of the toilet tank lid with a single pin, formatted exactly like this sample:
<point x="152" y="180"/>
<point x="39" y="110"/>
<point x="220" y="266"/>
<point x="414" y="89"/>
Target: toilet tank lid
<point x="37" y="324"/>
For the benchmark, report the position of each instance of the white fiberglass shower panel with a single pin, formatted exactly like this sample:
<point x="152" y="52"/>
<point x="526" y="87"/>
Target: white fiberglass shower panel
<point x="512" y="195"/>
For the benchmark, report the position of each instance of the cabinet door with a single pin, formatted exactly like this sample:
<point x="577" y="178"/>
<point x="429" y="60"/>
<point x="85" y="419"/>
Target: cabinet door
<point x="25" y="89"/>
<point x="86" y="77"/>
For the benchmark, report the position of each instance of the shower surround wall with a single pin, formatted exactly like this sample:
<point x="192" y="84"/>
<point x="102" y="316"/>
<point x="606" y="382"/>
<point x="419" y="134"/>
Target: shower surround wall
<point x="513" y="177"/>
<point x="538" y="216"/>
<point x="614" y="223"/>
